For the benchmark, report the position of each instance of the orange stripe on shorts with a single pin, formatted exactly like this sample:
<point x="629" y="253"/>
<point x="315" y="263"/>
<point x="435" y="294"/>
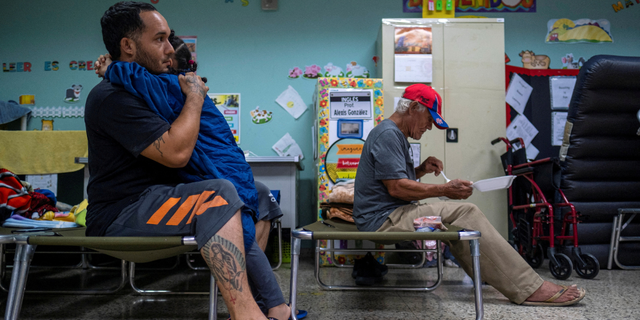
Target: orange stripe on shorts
<point x="218" y="201"/>
<point x="202" y="206"/>
<point x="160" y="213"/>
<point x="182" y="212"/>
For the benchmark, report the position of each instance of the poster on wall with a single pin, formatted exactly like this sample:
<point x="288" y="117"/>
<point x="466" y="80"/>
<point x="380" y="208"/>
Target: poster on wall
<point x="229" y="106"/>
<point x="43" y="181"/>
<point x="190" y="42"/>
<point x="577" y="31"/>
<point x="342" y="159"/>
<point x="470" y="6"/>
<point x="413" y="58"/>
<point x="558" y="121"/>
<point x="518" y="93"/>
<point x="350" y="104"/>
<point x="521" y="127"/>
<point x="412" y="6"/>
<point x="561" y="89"/>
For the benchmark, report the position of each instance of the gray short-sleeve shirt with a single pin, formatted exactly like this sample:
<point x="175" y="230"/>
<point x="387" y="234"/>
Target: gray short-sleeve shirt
<point x="385" y="156"/>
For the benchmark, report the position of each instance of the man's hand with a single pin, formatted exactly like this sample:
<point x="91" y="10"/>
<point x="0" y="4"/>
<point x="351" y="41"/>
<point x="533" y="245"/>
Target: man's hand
<point x="430" y="165"/>
<point x="193" y="86"/>
<point x="175" y="147"/>
<point x="458" y="189"/>
<point x="100" y="66"/>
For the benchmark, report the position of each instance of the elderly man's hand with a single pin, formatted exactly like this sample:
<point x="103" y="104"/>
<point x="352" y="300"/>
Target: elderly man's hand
<point x="431" y="165"/>
<point x="458" y="189"/>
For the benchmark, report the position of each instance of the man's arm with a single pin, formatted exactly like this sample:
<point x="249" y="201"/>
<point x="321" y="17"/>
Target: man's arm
<point x="174" y="148"/>
<point x="410" y="190"/>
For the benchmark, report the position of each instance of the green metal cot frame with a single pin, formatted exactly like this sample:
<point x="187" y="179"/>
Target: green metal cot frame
<point x="336" y="230"/>
<point x="132" y="249"/>
<point x="124" y="265"/>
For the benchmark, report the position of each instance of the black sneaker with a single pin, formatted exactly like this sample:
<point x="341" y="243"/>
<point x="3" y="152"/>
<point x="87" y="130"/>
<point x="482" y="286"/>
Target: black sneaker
<point x="368" y="270"/>
<point x="367" y="261"/>
<point x="372" y="261"/>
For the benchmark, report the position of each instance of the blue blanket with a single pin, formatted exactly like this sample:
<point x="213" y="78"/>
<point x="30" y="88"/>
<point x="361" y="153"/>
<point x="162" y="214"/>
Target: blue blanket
<point x="216" y="154"/>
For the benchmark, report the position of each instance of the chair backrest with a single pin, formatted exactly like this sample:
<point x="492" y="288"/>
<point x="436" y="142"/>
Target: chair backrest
<point x="600" y="153"/>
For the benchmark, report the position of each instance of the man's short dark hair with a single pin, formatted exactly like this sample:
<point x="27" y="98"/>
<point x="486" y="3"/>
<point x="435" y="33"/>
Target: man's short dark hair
<point x="122" y="20"/>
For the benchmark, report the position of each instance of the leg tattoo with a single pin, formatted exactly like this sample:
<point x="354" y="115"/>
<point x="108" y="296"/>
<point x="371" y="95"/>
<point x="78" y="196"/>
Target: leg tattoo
<point x="226" y="262"/>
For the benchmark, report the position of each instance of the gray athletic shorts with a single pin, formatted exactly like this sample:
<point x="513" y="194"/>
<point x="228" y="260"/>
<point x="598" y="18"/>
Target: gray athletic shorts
<point x="198" y="208"/>
<point x="268" y="206"/>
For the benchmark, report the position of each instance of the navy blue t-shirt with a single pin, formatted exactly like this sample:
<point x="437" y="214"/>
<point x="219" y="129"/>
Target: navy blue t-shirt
<point x="120" y="126"/>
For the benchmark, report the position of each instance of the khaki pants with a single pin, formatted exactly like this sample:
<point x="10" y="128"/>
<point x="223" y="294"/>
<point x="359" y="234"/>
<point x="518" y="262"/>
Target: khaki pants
<point x="500" y="265"/>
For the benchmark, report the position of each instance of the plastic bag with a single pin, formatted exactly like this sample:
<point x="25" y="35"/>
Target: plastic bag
<point x="434" y="222"/>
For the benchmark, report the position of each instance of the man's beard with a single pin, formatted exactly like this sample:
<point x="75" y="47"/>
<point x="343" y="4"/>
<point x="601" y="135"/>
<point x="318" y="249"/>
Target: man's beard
<point x="144" y="59"/>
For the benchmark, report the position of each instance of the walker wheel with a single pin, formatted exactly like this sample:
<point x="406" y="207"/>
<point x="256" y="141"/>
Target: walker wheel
<point x="537" y="257"/>
<point x="564" y="267"/>
<point x="591" y="268"/>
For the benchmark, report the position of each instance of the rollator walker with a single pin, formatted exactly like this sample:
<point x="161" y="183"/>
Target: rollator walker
<point x="537" y="209"/>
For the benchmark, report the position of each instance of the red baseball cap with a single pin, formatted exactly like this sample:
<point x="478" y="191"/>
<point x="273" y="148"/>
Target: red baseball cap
<point x="426" y="96"/>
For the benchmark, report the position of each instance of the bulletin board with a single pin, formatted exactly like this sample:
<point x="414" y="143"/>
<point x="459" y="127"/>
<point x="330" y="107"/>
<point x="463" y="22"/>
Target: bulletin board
<point x="538" y="109"/>
<point x="324" y="143"/>
<point x="342" y="127"/>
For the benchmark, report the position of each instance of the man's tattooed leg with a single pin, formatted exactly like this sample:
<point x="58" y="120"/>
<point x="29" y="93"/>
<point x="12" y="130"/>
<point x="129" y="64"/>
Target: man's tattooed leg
<point x="226" y="262"/>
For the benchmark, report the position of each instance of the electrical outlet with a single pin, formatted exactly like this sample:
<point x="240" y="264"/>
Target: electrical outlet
<point x="269" y="4"/>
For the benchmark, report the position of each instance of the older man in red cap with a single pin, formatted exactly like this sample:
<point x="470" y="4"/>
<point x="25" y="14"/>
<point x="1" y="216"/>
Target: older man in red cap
<point x="386" y="195"/>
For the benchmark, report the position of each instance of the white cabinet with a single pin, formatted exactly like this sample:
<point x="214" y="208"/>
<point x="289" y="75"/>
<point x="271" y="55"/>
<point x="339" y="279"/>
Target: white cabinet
<point x="280" y="173"/>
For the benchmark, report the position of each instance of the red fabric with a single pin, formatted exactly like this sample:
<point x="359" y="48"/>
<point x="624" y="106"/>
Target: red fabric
<point x="40" y="204"/>
<point x="13" y="196"/>
<point x="541" y="72"/>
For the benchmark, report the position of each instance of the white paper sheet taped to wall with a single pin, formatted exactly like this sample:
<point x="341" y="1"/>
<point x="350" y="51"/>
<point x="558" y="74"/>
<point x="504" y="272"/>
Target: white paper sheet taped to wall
<point x="521" y="127"/>
<point x="518" y="93"/>
<point x="287" y="147"/>
<point x="291" y="101"/>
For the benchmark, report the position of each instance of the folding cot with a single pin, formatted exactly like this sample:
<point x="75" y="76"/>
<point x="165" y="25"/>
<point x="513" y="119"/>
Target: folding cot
<point x="133" y="249"/>
<point x="337" y="230"/>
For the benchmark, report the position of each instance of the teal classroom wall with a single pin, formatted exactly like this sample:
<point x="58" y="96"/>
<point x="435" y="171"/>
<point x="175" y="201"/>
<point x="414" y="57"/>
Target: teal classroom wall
<point x="242" y="49"/>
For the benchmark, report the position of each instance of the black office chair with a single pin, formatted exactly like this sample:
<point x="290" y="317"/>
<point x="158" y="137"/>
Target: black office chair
<point x="600" y="155"/>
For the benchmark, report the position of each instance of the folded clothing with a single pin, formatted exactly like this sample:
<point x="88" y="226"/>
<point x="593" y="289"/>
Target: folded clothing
<point x="17" y="221"/>
<point x="341" y="211"/>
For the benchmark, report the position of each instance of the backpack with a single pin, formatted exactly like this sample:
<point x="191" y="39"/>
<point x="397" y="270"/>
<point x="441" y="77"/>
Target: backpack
<point x="14" y="197"/>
